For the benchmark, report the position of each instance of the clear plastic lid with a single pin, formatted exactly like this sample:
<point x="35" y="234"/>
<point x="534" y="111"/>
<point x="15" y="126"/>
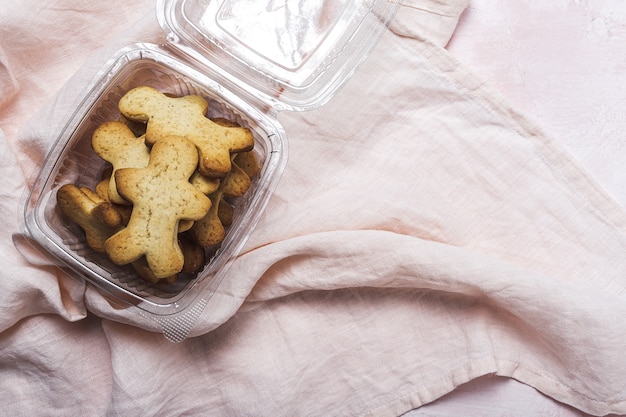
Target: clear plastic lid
<point x="292" y="54"/>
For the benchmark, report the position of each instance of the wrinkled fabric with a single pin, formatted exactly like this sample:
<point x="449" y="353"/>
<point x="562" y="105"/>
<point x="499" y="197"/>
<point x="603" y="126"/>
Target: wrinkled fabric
<point x="423" y="234"/>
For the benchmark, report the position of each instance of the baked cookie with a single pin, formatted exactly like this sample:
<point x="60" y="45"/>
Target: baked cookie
<point x="116" y="143"/>
<point x="162" y="196"/>
<point x="185" y="117"/>
<point x="96" y="217"/>
<point x="211" y="230"/>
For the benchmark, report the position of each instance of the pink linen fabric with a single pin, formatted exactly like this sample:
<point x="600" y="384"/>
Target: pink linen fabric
<point x="424" y="234"/>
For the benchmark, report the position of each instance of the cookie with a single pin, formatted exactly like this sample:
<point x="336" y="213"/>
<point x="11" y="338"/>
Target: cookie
<point x="116" y="143"/>
<point x="225" y="213"/>
<point x="236" y="183"/>
<point x="102" y="191"/>
<point x="162" y="196"/>
<point x="193" y="253"/>
<point x="204" y="184"/>
<point x="211" y="230"/>
<point x="185" y="117"/>
<point x="143" y="271"/>
<point x="96" y="217"/>
<point x="248" y="163"/>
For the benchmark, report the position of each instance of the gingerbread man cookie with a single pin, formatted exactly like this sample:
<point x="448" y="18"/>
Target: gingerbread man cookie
<point x="162" y="196"/>
<point x="116" y="143"/>
<point x="185" y="117"/>
<point x="95" y="216"/>
<point x="210" y="230"/>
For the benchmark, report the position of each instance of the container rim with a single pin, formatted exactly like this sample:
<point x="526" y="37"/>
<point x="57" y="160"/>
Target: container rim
<point x="205" y="31"/>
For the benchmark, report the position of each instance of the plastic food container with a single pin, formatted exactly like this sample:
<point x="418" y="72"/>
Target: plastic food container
<point x="250" y="59"/>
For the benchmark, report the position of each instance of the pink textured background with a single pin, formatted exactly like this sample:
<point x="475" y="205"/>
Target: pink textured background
<point x="563" y="63"/>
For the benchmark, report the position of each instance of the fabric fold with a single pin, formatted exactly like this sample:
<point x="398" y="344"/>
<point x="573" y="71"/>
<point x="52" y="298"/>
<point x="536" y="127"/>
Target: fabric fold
<point x="432" y="20"/>
<point x="423" y="234"/>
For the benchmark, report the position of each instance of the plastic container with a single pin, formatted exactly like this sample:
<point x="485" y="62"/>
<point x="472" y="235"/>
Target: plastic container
<point x="250" y="59"/>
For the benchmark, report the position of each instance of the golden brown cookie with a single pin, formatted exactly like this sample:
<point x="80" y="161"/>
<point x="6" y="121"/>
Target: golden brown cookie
<point x="236" y="183"/>
<point x="193" y="253"/>
<point x="96" y="217"/>
<point x="204" y="184"/>
<point x="116" y="143"/>
<point x="162" y="196"/>
<point x="248" y="163"/>
<point x="225" y="212"/>
<point x="143" y="271"/>
<point x="102" y="192"/>
<point x="211" y="230"/>
<point x="185" y="116"/>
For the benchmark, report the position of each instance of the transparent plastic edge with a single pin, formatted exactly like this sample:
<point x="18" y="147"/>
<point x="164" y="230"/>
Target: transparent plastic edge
<point x="29" y="228"/>
<point x="278" y="96"/>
